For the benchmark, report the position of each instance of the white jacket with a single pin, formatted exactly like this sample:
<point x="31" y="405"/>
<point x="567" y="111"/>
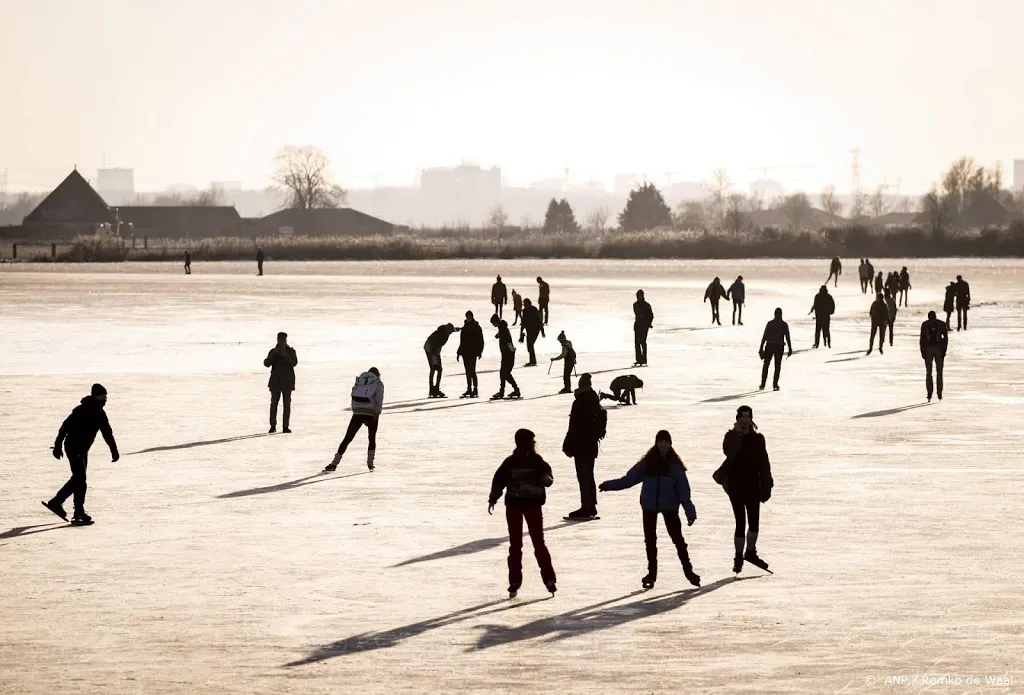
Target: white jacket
<point x="368" y="394"/>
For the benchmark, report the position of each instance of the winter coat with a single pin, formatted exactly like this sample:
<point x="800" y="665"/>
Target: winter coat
<point x="879" y="312"/>
<point x="581" y="438"/>
<point x="471" y="340"/>
<point x="437" y="340"/>
<point x="626" y="381"/>
<point x="776" y="332"/>
<point x="499" y="295"/>
<point x="824" y="306"/>
<point x="947" y="304"/>
<point x="504" y="336"/>
<point x="890" y="304"/>
<point x="78" y="431"/>
<point x="371" y="400"/>
<point x="282" y="368"/>
<point x="746" y="473"/>
<point x="714" y="292"/>
<point x="567" y="354"/>
<point x="523" y="477"/>
<point x="934" y="334"/>
<point x="643" y="315"/>
<point x="532" y="322"/>
<point x="879" y="283"/>
<point x="864" y="270"/>
<point x="517" y="301"/>
<point x="738" y="292"/>
<point x="660" y="493"/>
<point x="904" y="280"/>
<point x="544" y="291"/>
<point x="963" y="294"/>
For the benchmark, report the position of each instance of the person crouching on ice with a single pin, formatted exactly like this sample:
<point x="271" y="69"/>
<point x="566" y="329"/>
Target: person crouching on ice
<point x="524" y="476"/>
<point x="665" y="488"/>
<point x="623" y="389"/>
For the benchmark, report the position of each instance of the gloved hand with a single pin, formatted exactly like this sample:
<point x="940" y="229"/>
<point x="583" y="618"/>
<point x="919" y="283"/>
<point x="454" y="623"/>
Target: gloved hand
<point x="57" y="452"/>
<point x="603" y="487"/>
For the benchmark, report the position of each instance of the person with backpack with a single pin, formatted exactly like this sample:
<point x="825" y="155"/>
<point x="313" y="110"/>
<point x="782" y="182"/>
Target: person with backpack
<point x="823" y="308"/>
<point x="879" y="313"/>
<point x="523" y="477"/>
<point x="432" y="347"/>
<point x="890" y="305"/>
<point x="499" y="296"/>
<point x="569" y="355"/>
<point x="934" y="344"/>
<point x="643" y="319"/>
<point x="367" y="404"/>
<point x="517" y="307"/>
<point x="471" y="348"/>
<point x="75" y="438"/>
<point x="588" y="424"/>
<point x="530" y="327"/>
<point x="665" y="489"/>
<point x="715" y="292"/>
<point x="508" y="359"/>
<point x="281" y="360"/>
<point x="835" y="270"/>
<point x="737" y="292"/>
<point x="746" y="476"/>
<point x="623" y="389"/>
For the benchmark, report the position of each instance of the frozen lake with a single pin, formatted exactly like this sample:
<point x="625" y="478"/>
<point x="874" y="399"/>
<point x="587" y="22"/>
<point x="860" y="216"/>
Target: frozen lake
<point x="221" y="562"/>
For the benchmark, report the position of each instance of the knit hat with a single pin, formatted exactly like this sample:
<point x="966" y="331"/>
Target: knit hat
<point x="744" y="409"/>
<point x="585" y="380"/>
<point x="524" y="439"/>
<point x="663" y="436"/>
<point x="98" y="390"/>
<point x="561" y="336"/>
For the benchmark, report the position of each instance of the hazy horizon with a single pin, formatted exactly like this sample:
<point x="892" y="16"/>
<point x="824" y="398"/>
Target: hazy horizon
<point x="203" y="92"/>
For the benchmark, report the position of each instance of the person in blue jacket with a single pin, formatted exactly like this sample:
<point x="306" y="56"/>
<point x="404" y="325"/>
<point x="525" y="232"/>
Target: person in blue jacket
<point x="665" y="488"/>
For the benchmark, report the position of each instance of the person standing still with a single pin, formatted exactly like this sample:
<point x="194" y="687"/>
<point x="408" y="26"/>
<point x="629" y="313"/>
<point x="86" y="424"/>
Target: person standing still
<point x="588" y="423"/>
<point x="188" y="262"/>
<point x="543" y="298"/>
<point x="963" y="301"/>
<point x="643" y="319"/>
<point x="773" y="343"/>
<point x="259" y="261"/>
<point x="499" y="296"/>
<point x="934" y="344"/>
<point x="282" y="360"/>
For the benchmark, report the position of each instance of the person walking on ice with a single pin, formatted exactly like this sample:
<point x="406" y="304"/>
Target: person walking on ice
<point x="738" y="294"/>
<point x="569" y="355"/>
<point x="746" y="476"/>
<point x="774" y="341"/>
<point x="665" y="489"/>
<point x="188" y="262"/>
<point x="890" y="305"/>
<point x="524" y="477"/>
<point x="508" y="359"/>
<point x="367" y="404"/>
<point x="934" y="344"/>
<point x="823" y="308"/>
<point x="905" y="287"/>
<point x="517" y="307"/>
<point x="76" y="435"/>
<point x="623" y="389"/>
<point x="963" y="301"/>
<point x="715" y="292"/>
<point x="947" y="304"/>
<point x="259" y="261"/>
<point x="879" y="313"/>
<point x="499" y="296"/>
<point x="643" y="319"/>
<point x="471" y="348"/>
<point x="530" y="327"/>
<point x="543" y="298"/>
<point x="432" y="347"/>
<point x="588" y="424"/>
<point x="282" y="360"/>
<point x="835" y="270"/>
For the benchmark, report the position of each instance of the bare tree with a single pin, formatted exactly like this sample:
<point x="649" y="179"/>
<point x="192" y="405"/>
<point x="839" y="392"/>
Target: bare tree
<point x="879" y="201"/>
<point x="497" y="218"/>
<point x="718" y="191"/>
<point x="860" y="205"/>
<point x="303" y="179"/>
<point x="829" y="203"/>
<point x="736" y="216"/>
<point x="797" y="208"/>
<point x="940" y="208"/>
<point x="598" y="220"/>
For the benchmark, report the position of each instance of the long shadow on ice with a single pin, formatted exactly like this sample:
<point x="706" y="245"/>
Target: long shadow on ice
<point x="890" y="411"/>
<point x="189" y="445"/>
<point x="19" y="531"/>
<point x="844" y="359"/>
<point x="370" y="641"/>
<point x="689" y="328"/>
<point x="733" y="397"/>
<point x="473" y="547"/>
<point x="290" y="485"/>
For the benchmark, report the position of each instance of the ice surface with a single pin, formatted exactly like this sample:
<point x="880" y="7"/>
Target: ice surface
<point x="222" y="563"/>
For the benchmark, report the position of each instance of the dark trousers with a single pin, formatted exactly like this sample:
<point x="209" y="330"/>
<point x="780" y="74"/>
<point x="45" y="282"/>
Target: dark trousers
<point x="961" y="316"/>
<point x="188" y="269"/>
<point x="833" y="275"/>
<point x="714" y="312"/>
<point x="737" y="308"/>
<point x="675" y="531"/>
<point x="625" y="396"/>
<point x="948" y="315"/>
<point x="772" y="352"/>
<point x="588" y="487"/>
<point x="531" y="341"/>
<point x="933" y="355"/>
<point x="357" y="421"/>
<point x="534" y="517"/>
<point x="518" y="316"/>
<point x="822" y="328"/>
<point x="542" y="304"/>
<point x="259" y="267"/>
<point x="640" y="343"/>
<point x="567" y="374"/>
<point x="76" y="485"/>
<point x="747" y="512"/>
<point x="470" y="363"/>
<point x="864" y="284"/>
<point x="497" y="308"/>
<point x="904" y="296"/>
<point x="877" y="328"/>
<point x="505" y="373"/>
<point x="892" y="322"/>
<point x="275" y="396"/>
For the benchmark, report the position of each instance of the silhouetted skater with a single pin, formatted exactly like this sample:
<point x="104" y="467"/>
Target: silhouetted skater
<point x="517" y="306"/>
<point x="905" y="287"/>
<point x="524" y="476"/>
<point x="499" y="296"/>
<point x="76" y="435"/>
<point x="947" y="304"/>
<point x="963" y="301"/>
<point x="823" y="308"/>
<point x="738" y="293"/>
<point x="623" y="389"/>
<point x="892" y="284"/>
<point x="367" y="404"/>
<point x="259" y="261"/>
<point x="508" y="358"/>
<point x="773" y="344"/>
<point x="588" y="423"/>
<point x="530" y="327"/>
<point x="569" y="355"/>
<point x="746" y="476"/>
<point x="890" y="305"/>
<point x="934" y="343"/>
<point x="282" y="360"/>
<point x="665" y="489"/>
<point x="471" y="348"/>
<point x="879" y="282"/>
<point x="432" y="347"/>
<point x="865" y="272"/>
<point x="188" y="262"/>
<point x="715" y="292"/>
<point x="879" y="314"/>
<point x="643" y="319"/>
<point x="870" y="269"/>
<point x="543" y="298"/>
<point x="835" y="270"/>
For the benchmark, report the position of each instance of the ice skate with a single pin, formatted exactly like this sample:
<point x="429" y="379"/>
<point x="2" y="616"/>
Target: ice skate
<point x="476" y="394"/>
<point x="513" y="590"/>
<point x="761" y="387"/>
<point x="691" y="576"/>
<point x="515" y="396"/>
<point x="498" y="396"/>
<point x="437" y="393"/>
<point x="56" y="509"/>
<point x="775" y="388"/>
<point x="737" y="564"/>
<point x="81" y="519"/>
<point x="286" y="430"/>
<point x="467" y="394"/>
<point x="333" y="465"/>
<point x="565" y="390"/>
<point x="752" y="557"/>
<point x="530" y="364"/>
<point x="273" y="428"/>
<point x="550" y="586"/>
<point x="369" y="458"/>
<point x="648" y="581"/>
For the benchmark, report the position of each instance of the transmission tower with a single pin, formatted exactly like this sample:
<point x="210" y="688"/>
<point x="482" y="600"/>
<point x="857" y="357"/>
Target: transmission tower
<point x="856" y="170"/>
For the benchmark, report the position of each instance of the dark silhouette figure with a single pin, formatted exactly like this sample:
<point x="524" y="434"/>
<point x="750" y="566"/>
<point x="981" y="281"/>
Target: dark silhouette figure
<point x="530" y="327"/>
<point x="715" y="292"/>
<point x="188" y="262"/>
<point x="259" y="261"/>
<point x="870" y="271"/>
<point x="499" y="296"/>
<point x="543" y="298"/>
<point x="934" y="343"/>
<point x="569" y="355"/>
<point x="471" y="348"/>
<point x="508" y="358"/>
<point x="904" y="287"/>
<point x="367" y="404"/>
<point x="947" y="304"/>
<point x="523" y="477"/>
<point x="879" y="313"/>
<point x="432" y="347"/>
<point x="891" y="311"/>
<point x="835" y="270"/>
<point x="517" y="307"/>
<point x="623" y="389"/>
<point x="282" y="360"/>
<point x="963" y="301"/>
<point x="643" y="319"/>
<point x="665" y="489"/>
<point x="773" y="344"/>
<point x="823" y="308"/>
<point x="738" y="293"/>
<point x="588" y="423"/>
<point x="864" y="272"/>
<point x="879" y="282"/>
<point x="746" y="476"/>
<point x="75" y="438"/>
<point x="892" y="284"/>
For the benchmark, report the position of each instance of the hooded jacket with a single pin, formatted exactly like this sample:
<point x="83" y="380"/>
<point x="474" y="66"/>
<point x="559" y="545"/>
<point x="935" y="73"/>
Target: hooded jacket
<point x="78" y="431"/>
<point x="934" y="334"/>
<point x="370" y="400"/>
<point x="471" y="340"/>
<point x="737" y="291"/>
<point x="523" y="477"/>
<point x="282" y="368"/>
<point x="947" y="304"/>
<point x="532" y="322"/>
<point x="665" y="486"/>
<point x="747" y="472"/>
<point x="581" y="438"/>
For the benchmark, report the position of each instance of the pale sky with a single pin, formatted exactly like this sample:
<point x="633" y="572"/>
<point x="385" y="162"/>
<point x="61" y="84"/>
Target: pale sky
<point x="188" y="91"/>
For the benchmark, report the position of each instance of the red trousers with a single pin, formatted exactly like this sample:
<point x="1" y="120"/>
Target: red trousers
<point x="535" y="523"/>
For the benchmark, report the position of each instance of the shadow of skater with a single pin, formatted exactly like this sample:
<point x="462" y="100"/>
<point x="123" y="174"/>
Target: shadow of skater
<point x="733" y="397"/>
<point x="890" y="411"/>
<point x="189" y="445"/>
<point x="472" y="547"/>
<point x="290" y="485"/>
<point x="18" y="531"/>
<point x="845" y="359"/>
<point x="370" y="641"/>
<point x="597" y="616"/>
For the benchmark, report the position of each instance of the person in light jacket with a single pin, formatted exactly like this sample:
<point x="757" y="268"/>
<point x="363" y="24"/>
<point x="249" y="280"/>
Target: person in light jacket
<point x="367" y="404"/>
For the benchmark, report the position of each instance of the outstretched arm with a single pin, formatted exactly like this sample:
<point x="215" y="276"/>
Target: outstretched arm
<point x="633" y="476"/>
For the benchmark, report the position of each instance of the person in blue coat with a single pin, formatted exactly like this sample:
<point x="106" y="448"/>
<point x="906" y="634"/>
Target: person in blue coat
<point x="665" y="489"/>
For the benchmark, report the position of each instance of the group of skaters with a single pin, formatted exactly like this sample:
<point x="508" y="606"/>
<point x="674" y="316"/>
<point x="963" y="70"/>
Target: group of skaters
<point x="737" y="292"/>
<point x="259" y="261"/>
<point x="499" y="298"/>
<point x="896" y="283"/>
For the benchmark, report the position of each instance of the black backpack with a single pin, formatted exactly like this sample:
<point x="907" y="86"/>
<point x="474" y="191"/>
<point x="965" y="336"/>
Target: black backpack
<point x="933" y="333"/>
<point x="599" y="424"/>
